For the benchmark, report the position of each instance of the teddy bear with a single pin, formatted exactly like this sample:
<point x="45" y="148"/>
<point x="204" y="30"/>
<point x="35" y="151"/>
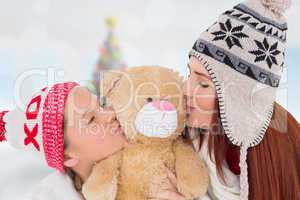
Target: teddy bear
<point x="148" y="102"/>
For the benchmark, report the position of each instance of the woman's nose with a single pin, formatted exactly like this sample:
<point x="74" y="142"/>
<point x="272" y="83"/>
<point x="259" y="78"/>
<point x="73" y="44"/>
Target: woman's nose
<point x="187" y="89"/>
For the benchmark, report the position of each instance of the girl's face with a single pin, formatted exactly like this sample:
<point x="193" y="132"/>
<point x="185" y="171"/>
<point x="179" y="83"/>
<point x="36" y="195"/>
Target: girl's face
<point x="91" y="133"/>
<point x="200" y="97"/>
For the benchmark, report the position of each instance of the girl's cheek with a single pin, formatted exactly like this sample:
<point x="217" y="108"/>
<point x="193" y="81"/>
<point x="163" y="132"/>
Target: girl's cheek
<point x="93" y="131"/>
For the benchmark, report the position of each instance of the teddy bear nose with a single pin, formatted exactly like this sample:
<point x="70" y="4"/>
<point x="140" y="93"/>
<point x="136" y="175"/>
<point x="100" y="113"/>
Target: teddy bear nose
<point x="163" y="105"/>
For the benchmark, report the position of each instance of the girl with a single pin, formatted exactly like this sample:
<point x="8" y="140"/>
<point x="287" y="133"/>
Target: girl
<point x="65" y="126"/>
<point x="251" y="145"/>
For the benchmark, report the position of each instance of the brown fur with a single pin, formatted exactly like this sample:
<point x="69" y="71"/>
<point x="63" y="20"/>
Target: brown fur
<point x="140" y="169"/>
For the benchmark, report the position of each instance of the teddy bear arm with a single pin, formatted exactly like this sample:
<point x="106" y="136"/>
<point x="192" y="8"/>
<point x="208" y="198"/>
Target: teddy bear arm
<point x="191" y="172"/>
<point x="103" y="181"/>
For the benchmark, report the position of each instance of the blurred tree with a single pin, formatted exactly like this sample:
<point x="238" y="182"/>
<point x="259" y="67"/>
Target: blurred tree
<point x="110" y="55"/>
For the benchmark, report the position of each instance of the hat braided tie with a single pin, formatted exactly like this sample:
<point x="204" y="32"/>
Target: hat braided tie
<point x="244" y="173"/>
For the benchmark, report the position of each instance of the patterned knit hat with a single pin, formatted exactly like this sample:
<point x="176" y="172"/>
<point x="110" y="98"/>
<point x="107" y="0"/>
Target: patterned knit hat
<point x="40" y="128"/>
<point x="244" y="55"/>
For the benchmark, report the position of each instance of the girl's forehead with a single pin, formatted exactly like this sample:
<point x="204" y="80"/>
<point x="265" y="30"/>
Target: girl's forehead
<point x="80" y="100"/>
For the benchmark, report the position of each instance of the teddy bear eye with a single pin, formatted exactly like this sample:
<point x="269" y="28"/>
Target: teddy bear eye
<point x="149" y="99"/>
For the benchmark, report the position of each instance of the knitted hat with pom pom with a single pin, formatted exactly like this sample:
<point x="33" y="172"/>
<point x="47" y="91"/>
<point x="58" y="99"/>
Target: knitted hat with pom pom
<point x="244" y="55"/>
<point x="39" y="129"/>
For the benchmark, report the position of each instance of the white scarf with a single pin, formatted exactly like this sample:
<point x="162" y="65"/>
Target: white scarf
<point x="217" y="190"/>
<point x="56" y="186"/>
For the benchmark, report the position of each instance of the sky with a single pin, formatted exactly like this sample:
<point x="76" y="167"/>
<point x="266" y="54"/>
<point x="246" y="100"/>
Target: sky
<point x="59" y="40"/>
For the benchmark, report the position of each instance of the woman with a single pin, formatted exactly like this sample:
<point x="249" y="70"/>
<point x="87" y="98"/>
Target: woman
<point x="273" y="164"/>
<point x="251" y="144"/>
<point x="65" y="126"/>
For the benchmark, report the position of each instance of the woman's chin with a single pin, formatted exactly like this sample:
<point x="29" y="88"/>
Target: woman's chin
<point x="198" y="119"/>
<point x="193" y="124"/>
<point x="197" y="123"/>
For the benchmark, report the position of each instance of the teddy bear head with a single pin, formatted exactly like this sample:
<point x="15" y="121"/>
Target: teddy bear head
<point x="148" y="102"/>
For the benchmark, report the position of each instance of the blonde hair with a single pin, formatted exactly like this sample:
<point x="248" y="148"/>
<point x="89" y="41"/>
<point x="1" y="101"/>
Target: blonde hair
<point x="76" y="179"/>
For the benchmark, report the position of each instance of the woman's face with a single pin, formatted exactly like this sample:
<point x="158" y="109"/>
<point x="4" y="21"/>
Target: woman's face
<point x="200" y="97"/>
<point x="91" y="133"/>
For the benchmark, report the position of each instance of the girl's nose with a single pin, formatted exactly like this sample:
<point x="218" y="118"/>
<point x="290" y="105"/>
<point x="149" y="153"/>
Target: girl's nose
<point x="111" y="115"/>
<point x="163" y="105"/>
<point x="106" y="115"/>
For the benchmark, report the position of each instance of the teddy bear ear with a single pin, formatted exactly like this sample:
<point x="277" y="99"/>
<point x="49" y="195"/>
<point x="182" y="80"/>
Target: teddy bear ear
<point x="176" y="74"/>
<point x="180" y="77"/>
<point x="110" y="80"/>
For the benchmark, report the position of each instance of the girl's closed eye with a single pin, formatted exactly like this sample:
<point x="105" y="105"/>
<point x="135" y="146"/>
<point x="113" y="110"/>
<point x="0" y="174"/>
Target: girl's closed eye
<point x="88" y="118"/>
<point x="91" y="120"/>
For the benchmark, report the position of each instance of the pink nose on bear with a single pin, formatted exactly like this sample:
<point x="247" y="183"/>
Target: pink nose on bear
<point x="163" y="105"/>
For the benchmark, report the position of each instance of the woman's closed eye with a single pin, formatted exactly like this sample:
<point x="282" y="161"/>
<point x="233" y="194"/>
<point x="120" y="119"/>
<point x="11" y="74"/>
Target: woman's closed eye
<point x="204" y="84"/>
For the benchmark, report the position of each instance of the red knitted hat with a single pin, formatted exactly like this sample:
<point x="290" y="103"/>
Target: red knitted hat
<point x="39" y="128"/>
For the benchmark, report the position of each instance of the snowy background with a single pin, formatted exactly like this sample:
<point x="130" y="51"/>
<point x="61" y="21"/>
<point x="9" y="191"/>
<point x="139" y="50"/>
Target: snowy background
<point x="42" y="40"/>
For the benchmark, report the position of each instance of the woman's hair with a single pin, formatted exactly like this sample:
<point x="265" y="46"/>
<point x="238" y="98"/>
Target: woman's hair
<point x="273" y="165"/>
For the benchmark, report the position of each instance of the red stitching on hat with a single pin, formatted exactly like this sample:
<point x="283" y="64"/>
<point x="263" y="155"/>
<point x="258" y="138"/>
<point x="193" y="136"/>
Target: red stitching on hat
<point x="33" y="114"/>
<point x="52" y="120"/>
<point x="2" y="126"/>
<point x="44" y="89"/>
<point x="31" y="136"/>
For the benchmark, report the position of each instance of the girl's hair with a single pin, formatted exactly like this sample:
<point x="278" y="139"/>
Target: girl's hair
<point x="76" y="179"/>
<point x="274" y="164"/>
